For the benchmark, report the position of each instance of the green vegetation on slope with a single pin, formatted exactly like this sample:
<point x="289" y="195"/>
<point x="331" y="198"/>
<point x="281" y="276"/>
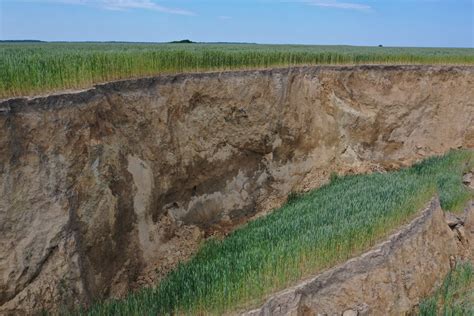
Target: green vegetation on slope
<point x="311" y="232"/>
<point x="29" y="68"/>
<point x="455" y="297"/>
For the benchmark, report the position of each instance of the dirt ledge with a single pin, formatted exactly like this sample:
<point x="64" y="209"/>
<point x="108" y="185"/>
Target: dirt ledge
<point x="390" y="279"/>
<point x="67" y="98"/>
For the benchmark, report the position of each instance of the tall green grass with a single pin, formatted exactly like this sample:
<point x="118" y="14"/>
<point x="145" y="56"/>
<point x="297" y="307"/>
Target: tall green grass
<point x="27" y="68"/>
<point x="455" y="297"/>
<point x="311" y="232"/>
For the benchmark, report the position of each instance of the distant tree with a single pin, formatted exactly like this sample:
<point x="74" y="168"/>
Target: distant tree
<point x="186" y="41"/>
<point x="380" y="45"/>
<point x="21" y="41"/>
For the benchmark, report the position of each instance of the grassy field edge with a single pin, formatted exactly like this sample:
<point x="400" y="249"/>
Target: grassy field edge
<point x="37" y="68"/>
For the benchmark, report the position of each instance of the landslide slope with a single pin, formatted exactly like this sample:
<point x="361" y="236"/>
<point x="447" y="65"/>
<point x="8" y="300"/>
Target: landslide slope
<point x="101" y="188"/>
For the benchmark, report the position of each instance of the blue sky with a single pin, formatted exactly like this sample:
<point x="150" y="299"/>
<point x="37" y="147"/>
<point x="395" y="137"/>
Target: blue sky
<point x="435" y="23"/>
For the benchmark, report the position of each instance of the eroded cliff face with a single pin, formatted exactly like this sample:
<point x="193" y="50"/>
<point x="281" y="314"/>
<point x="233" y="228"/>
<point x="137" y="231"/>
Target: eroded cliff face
<point x="106" y="189"/>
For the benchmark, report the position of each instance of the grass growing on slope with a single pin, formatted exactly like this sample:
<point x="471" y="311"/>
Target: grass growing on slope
<point x="311" y="232"/>
<point x="27" y="68"/>
<point x="455" y="297"/>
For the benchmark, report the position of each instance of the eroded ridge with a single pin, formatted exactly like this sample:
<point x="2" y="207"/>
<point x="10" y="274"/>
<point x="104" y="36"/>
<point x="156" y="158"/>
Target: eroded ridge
<point x="391" y="278"/>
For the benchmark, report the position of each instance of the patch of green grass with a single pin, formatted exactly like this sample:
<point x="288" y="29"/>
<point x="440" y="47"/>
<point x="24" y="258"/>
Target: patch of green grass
<point x="313" y="231"/>
<point x="455" y="297"/>
<point x="448" y="170"/>
<point x="30" y="68"/>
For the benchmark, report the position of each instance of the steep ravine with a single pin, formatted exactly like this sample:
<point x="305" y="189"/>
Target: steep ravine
<point x="102" y="188"/>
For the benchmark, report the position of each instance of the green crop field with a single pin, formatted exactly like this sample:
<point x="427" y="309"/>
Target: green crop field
<point x="34" y="68"/>
<point x="311" y="232"/>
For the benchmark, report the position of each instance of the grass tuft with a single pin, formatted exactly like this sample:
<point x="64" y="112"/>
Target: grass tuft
<point x="455" y="297"/>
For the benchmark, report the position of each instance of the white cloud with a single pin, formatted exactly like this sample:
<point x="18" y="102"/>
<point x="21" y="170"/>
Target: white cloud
<point x="337" y="4"/>
<point x="224" y="17"/>
<point x="142" y="4"/>
<point x="124" y="5"/>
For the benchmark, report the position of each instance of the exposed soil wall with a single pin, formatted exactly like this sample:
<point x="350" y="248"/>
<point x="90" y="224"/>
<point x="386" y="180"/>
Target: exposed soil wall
<point x="390" y="279"/>
<point x="106" y="189"/>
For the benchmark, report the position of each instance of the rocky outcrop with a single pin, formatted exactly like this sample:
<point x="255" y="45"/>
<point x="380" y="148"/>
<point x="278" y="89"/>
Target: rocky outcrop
<point x="390" y="279"/>
<point x="107" y="189"/>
